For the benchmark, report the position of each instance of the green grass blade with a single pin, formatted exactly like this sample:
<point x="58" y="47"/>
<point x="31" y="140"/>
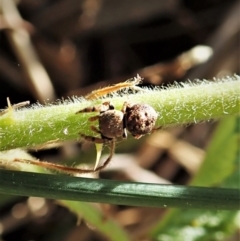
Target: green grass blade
<point x="220" y="160"/>
<point x="221" y="166"/>
<point x="116" y="192"/>
<point x="97" y="219"/>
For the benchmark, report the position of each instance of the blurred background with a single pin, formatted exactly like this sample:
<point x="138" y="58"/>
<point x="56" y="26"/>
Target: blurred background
<point x="55" y="49"/>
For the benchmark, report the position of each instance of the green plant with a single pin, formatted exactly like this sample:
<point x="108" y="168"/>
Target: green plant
<point x="181" y="104"/>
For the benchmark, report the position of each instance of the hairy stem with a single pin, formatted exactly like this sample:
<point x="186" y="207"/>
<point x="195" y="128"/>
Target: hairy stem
<point x="179" y="104"/>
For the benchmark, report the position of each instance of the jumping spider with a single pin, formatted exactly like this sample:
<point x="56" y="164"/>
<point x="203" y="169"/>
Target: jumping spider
<point x="137" y="119"/>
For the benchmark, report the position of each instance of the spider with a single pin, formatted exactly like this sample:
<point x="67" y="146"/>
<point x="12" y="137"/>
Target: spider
<point x="137" y="119"/>
<point x="131" y="83"/>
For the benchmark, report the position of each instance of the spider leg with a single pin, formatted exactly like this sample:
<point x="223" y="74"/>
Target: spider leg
<point x="95" y="129"/>
<point x="97" y="108"/>
<point x="153" y="130"/>
<point x="125" y="106"/>
<point x="93" y="118"/>
<point x="156" y="129"/>
<point x="70" y="170"/>
<point x="137" y="137"/>
<point x="95" y="139"/>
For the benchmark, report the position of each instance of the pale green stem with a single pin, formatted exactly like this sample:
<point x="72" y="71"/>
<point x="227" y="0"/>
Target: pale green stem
<point x="180" y="104"/>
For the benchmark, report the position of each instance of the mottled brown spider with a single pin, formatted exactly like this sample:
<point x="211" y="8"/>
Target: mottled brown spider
<point x="137" y="119"/>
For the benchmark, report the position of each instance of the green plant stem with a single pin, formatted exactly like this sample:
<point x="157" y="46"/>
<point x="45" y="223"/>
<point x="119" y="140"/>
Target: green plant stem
<point x="116" y="192"/>
<point x="190" y="103"/>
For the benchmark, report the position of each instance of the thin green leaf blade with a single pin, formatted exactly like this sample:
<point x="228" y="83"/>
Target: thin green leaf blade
<point x="203" y="225"/>
<point x="221" y="155"/>
<point x="97" y="219"/>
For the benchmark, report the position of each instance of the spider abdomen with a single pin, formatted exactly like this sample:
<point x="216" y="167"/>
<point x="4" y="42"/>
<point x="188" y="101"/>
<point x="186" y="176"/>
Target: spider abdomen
<point x="140" y="119"/>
